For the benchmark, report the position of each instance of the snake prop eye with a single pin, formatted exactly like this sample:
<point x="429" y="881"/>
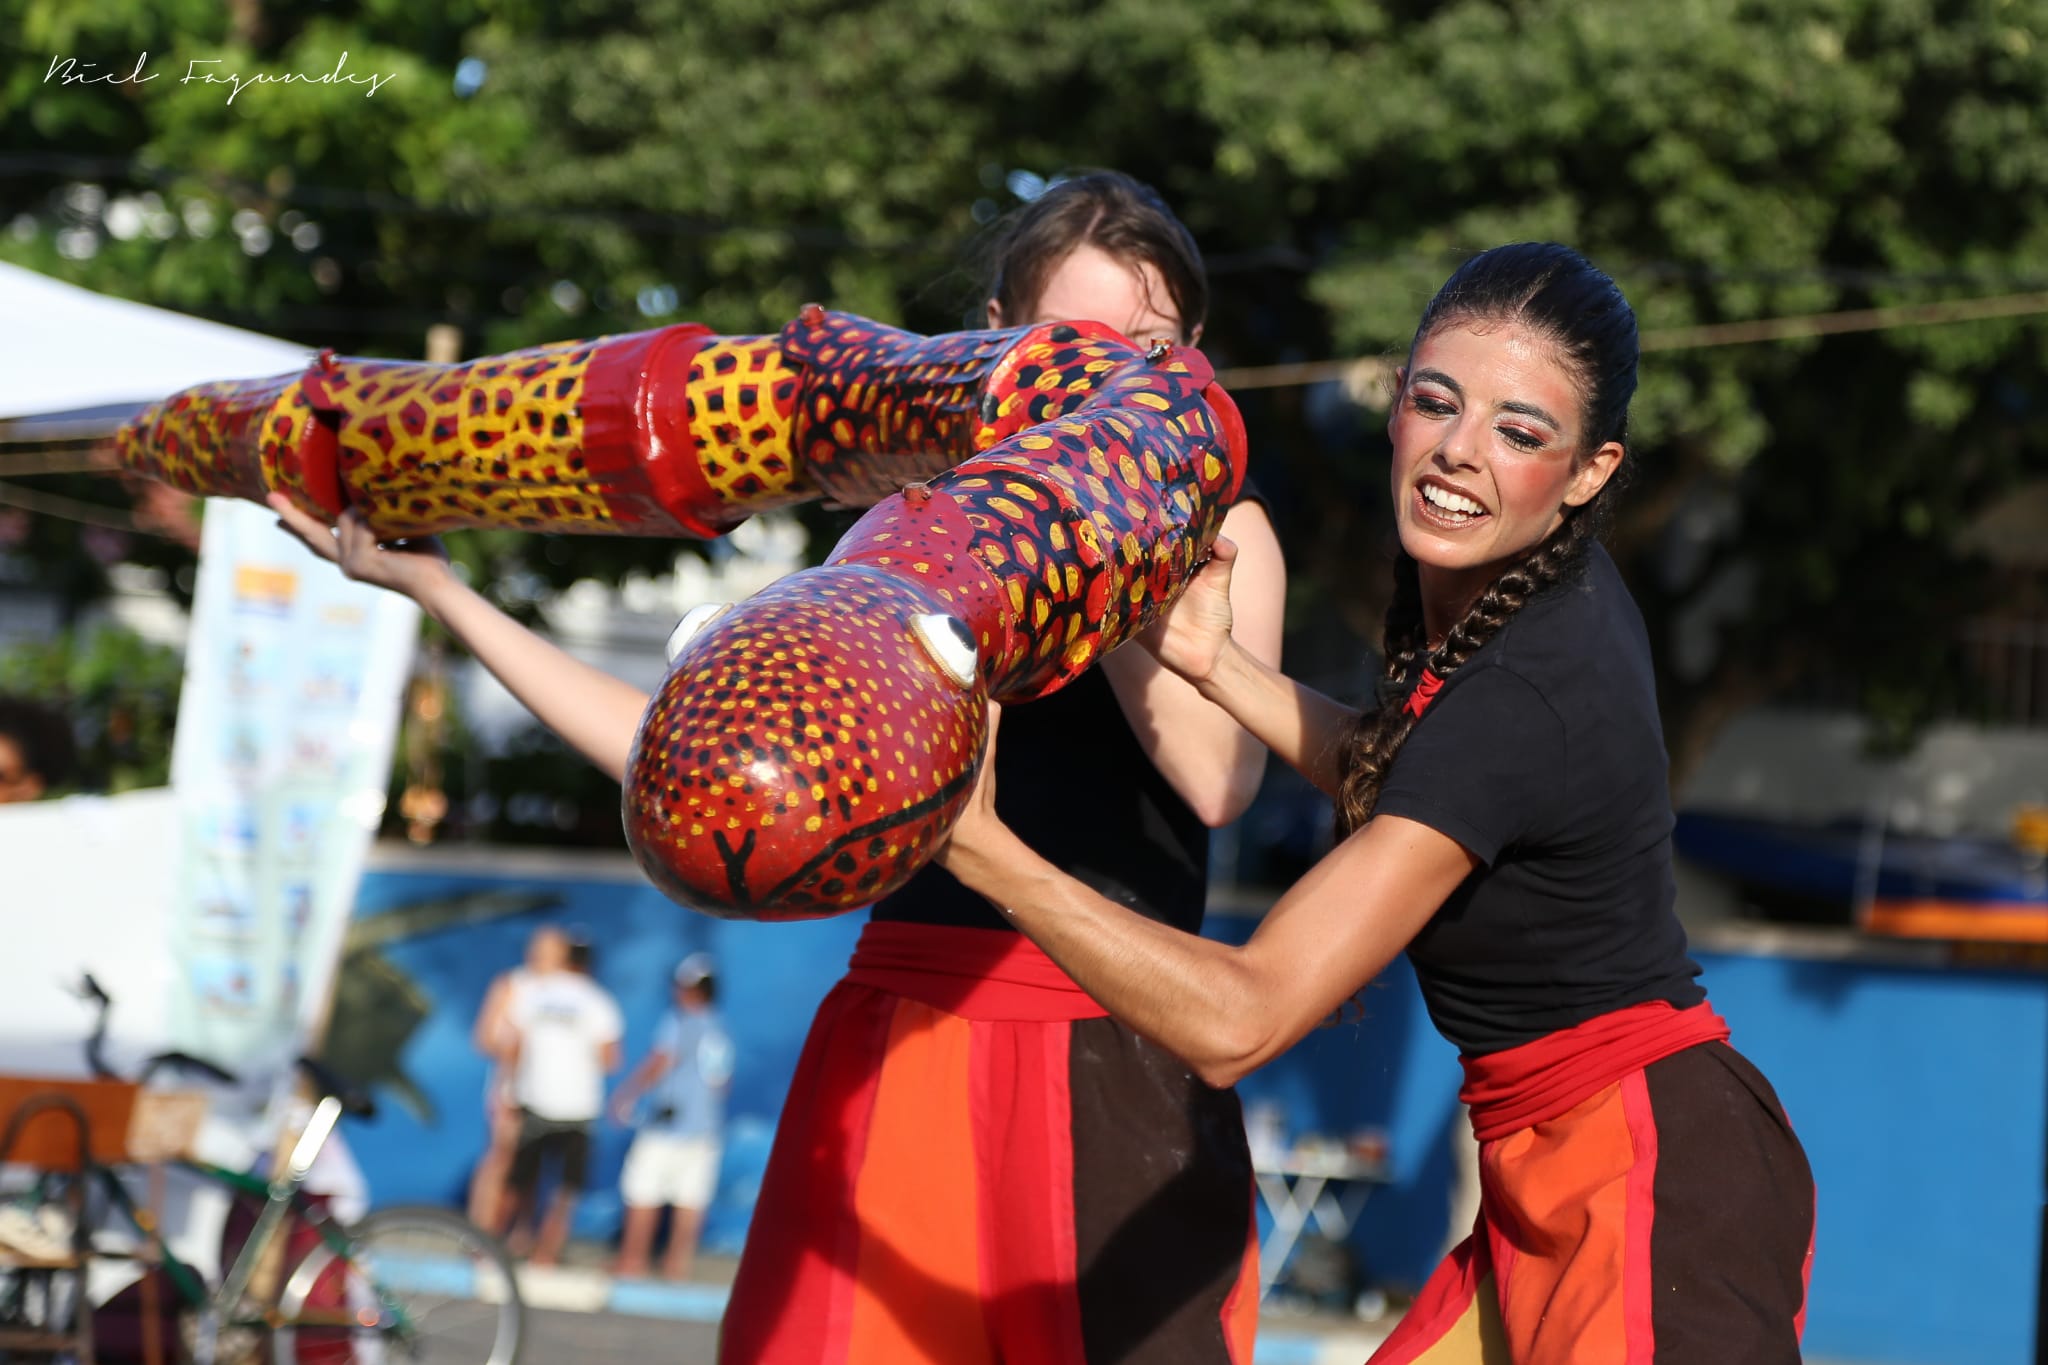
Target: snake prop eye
<point x="947" y="640"/>
<point x="694" y="620"/>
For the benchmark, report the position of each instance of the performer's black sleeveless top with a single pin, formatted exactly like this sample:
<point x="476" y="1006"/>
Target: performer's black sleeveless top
<point x="1075" y="784"/>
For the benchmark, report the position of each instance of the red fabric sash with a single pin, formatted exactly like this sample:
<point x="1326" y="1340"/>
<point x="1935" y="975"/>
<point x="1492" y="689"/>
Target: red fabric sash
<point x="974" y="973"/>
<point x="1539" y="1081"/>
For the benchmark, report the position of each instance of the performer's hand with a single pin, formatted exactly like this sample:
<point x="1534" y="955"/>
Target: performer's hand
<point x="1192" y="634"/>
<point x="412" y="568"/>
<point x="978" y="817"/>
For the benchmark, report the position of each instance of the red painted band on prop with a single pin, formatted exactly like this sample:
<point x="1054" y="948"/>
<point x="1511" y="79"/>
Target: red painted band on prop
<point x="310" y="457"/>
<point x="636" y="429"/>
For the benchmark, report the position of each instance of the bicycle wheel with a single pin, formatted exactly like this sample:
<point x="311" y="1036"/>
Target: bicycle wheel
<point x="416" y="1284"/>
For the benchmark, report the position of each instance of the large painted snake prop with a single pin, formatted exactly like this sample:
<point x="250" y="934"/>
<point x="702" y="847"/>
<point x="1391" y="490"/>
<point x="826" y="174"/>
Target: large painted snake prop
<point x="1038" y="495"/>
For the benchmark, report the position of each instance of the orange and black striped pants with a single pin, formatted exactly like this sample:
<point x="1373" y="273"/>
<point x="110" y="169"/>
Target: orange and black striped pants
<point x="974" y="1166"/>
<point x="1666" y="1219"/>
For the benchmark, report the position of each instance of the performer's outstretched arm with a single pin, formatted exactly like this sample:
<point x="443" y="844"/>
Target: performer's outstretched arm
<point x="1195" y="639"/>
<point x="593" y="712"/>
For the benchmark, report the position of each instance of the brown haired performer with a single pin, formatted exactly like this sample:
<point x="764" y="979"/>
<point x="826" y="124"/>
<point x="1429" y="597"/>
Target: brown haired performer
<point x="1508" y="825"/>
<point x="975" y="1163"/>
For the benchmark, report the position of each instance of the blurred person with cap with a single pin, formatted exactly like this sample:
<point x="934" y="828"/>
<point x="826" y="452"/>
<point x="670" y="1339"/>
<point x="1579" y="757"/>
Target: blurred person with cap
<point x="673" y="1161"/>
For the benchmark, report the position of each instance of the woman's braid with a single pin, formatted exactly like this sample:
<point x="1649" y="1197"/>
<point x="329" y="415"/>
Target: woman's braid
<point x="1378" y="735"/>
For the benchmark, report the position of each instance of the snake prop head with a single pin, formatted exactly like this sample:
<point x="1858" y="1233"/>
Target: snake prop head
<point x="808" y="750"/>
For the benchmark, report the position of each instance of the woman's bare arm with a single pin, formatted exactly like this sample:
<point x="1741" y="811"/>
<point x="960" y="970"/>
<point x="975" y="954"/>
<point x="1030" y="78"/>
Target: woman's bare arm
<point x="1197" y="639"/>
<point x="1224" y="1010"/>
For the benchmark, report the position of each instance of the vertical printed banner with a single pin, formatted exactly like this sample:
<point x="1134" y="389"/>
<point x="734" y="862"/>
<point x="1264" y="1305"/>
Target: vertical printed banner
<point x="293" y="681"/>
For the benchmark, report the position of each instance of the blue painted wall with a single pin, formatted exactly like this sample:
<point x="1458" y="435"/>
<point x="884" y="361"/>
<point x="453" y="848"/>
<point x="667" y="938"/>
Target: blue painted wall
<point x="1921" y="1095"/>
<point x="772" y="977"/>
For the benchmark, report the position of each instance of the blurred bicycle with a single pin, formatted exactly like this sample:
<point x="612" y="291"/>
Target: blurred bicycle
<point x="406" y="1283"/>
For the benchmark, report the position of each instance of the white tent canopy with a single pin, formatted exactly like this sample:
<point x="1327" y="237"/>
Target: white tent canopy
<point x="68" y="350"/>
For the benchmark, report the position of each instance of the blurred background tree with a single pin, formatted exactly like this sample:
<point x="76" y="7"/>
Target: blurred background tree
<point x="534" y="171"/>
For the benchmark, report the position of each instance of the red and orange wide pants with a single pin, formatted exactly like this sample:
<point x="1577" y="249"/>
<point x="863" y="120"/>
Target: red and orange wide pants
<point x="1642" y="1202"/>
<point x="975" y="1165"/>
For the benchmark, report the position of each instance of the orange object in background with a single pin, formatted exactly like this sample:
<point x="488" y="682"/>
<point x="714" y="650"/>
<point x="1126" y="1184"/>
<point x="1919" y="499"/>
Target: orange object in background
<point x="2030" y="830"/>
<point x="1960" y="921"/>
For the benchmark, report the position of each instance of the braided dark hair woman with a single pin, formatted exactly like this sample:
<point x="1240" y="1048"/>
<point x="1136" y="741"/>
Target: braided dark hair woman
<point x="1507" y="824"/>
<point x="1557" y="294"/>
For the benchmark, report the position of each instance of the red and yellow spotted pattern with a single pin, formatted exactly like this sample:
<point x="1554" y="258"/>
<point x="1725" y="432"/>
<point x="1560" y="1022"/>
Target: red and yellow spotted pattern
<point x="895" y="409"/>
<point x="1087" y="524"/>
<point x="797" y="756"/>
<point x="495" y="442"/>
<point x="211" y="439"/>
<point x="741" y="395"/>
<point x="674" y="432"/>
<point x="807" y="752"/>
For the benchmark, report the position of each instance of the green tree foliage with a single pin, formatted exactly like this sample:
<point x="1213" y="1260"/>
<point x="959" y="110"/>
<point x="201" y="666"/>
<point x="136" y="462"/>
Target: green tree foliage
<point x="1731" y="162"/>
<point x="536" y="170"/>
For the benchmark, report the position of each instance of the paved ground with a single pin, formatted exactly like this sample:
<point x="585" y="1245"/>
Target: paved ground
<point x="615" y="1339"/>
<point x="564" y="1338"/>
<point x="579" y="1315"/>
<point x="559" y="1338"/>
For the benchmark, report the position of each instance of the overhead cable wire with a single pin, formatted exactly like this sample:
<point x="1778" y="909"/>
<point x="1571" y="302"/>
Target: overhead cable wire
<point x="399" y="206"/>
<point x="1702" y="337"/>
<point x="70" y="509"/>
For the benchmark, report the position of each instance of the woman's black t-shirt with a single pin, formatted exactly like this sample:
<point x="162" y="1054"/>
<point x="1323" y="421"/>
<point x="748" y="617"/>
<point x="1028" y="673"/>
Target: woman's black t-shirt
<point x="1545" y="758"/>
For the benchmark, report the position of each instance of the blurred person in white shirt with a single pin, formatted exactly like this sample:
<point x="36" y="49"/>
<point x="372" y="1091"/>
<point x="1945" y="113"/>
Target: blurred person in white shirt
<point x="547" y="950"/>
<point x="565" y="1031"/>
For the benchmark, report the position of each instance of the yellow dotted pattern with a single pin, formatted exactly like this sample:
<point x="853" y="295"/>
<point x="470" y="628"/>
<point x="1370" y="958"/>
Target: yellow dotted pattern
<point x="495" y="442"/>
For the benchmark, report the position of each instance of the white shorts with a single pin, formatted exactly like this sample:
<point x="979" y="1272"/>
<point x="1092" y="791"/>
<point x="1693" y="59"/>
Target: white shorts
<point x="662" y="1168"/>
